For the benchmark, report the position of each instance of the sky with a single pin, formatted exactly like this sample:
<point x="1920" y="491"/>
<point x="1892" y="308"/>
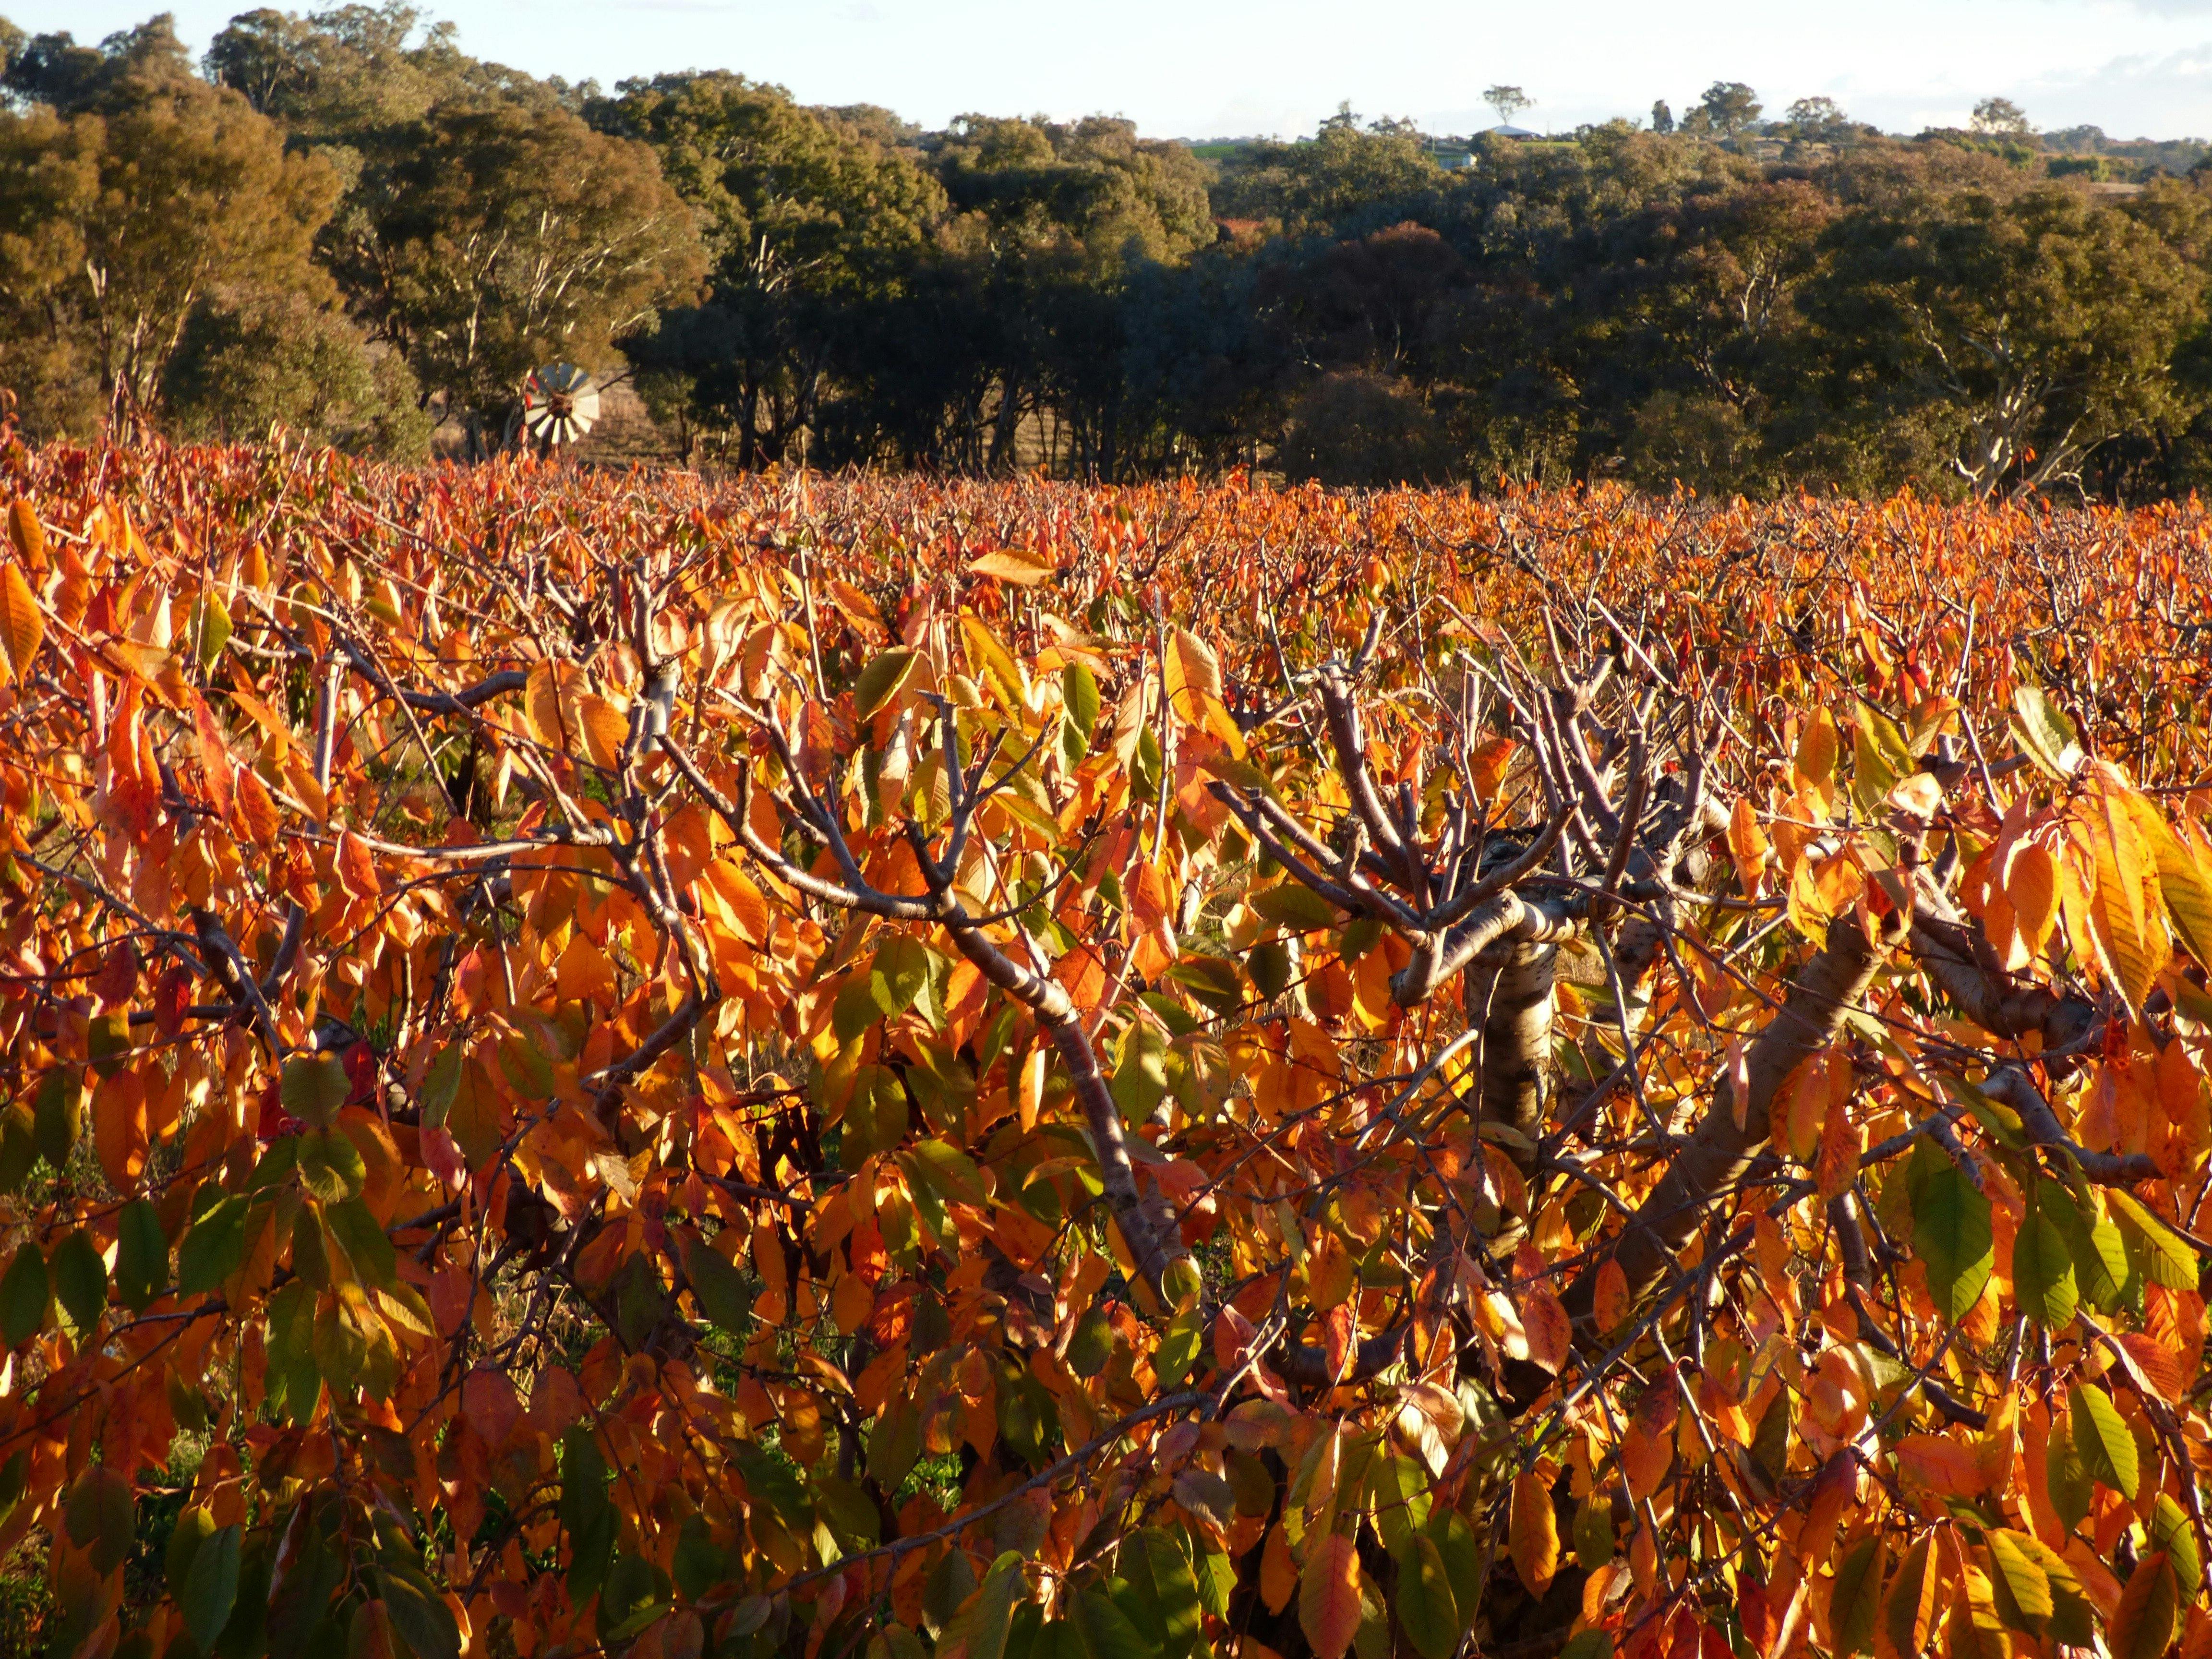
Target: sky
<point x="1233" y="68"/>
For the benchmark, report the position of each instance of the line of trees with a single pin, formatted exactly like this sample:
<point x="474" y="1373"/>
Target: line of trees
<point x="344" y="222"/>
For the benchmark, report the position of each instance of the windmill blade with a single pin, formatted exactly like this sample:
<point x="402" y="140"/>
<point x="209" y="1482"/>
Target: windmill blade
<point x="560" y="403"/>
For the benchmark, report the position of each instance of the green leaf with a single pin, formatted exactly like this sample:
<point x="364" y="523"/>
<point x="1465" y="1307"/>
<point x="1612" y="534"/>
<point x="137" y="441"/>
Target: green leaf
<point x="210" y="633"/>
<point x="142" y="1255"/>
<point x="79" y="1279"/>
<point x="2170" y="1530"/>
<point x="2066" y="1480"/>
<point x="2167" y="1260"/>
<point x="1079" y="691"/>
<point x="441" y="1085"/>
<point x="211" y="1587"/>
<point x="849" y="1513"/>
<point x="2072" y="1620"/>
<point x="1593" y="1531"/>
<point x="1426" y="1609"/>
<point x="856" y="1007"/>
<point x="194" y="1527"/>
<point x="99" y="1516"/>
<point x="1856" y="1596"/>
<point x="418" y="1613"/>
<point x="2044" y="733"/>
<point x="2021" y="1586"/>
<point x="313" y="1087"/>
<point x="1462" y="1558"/>
<point x="718" y="1288"/>
<point x="1880" y="753"/>
<point x="1214" y="980"/>
<point x="54" y="1115"/>
<point x="1106" y="1630"/>
<point x="895" y="1443"/>
<point x="23" y="1292"/>
<point x="1176" y="1588"/>
<point x="19" y="1146"/>
<point x="331" y="1166"/>
<point x="2102" y="1436"/>
<point x="2099" y="1253"/>
<point x="880" y="680"/>
<point x="1590" y="1644"/>
<point x="1179" y="1346"/>
<point x="363" y="1239"/>
<point x="1296" y="908"/>
<point x="991" y="1614"/>
<point x="1950" y="1229"/>
<point x="950" y="1171"/>
<point x="1217" y="1580"/>
<point x="898" y="974"/>
<point x="2042" y="1272"/>
<point x="767" y="1478"/>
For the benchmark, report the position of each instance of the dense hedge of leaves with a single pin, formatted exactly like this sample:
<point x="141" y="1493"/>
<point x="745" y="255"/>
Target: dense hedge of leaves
<point x="602" y="1064"/>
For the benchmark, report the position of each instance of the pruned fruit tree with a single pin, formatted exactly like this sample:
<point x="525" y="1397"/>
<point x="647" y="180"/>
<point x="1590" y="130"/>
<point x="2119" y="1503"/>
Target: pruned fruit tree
<point x="861" y="1068"/>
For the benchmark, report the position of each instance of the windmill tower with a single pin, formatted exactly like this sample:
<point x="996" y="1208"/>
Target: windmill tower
<point x="560" y="405"/>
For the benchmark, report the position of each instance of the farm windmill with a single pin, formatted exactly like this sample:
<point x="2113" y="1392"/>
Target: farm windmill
<point x="560" y="403"/>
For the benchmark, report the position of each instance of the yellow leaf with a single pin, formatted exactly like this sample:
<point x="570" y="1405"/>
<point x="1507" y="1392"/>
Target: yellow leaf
<point x="1609" y="1305"/>
<point x="2182" y="880"/>
<point x="2150" y="1610"/>
<point x="1533" y="1537"/>
<point x="1836" y="1165"/>
<point x="1748" y="843"/>
<point x="1279" y="1574"/>
<point x="22" y="626"/>
<point x="1010" y="566"/>
<point x="606" y="728"/>
<point x="2031" y="887"/>
<point x="1328" y="1595"/>
<point x="1192" y="674"/>
<point x="1815" y="763"/>
<point x="1487" y="766"/>
<point x="2131" y="939"/>
<point x="27" y="533"/>
<point x="1550" y="1335"/>
<point x="1809" y="911"/>
<point x="542" y="698"/>
<point x="1808" y="1108"/>
<point x="1941" y="1464"/>
<point x="852" y="1303"/>
<point x="1908" y="1612"/>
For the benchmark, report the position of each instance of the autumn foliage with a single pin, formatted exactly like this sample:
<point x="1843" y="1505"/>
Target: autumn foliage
<point x="839" y="1066"/>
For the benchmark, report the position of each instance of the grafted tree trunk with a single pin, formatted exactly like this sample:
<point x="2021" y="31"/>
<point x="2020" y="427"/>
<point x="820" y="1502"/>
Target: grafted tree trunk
<point x="1507" y="992"/>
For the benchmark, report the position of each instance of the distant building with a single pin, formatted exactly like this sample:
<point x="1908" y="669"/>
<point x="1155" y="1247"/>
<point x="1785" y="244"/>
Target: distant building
<point x="1502" y="131"/>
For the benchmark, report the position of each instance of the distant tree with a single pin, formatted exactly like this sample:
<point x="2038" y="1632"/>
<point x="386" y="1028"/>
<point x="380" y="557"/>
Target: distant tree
<point x="280" y="360"/>
<point x="489" y="237"/>
<point x="2039" y="326"/>
<point x="2000" y="117"/>
<point x="1819" y="118"/>
<point x="129" y="193"/>
<point x="341" y="75"/>
<point x="1507" y="101"/>
<point x="1662" y="118"/>
<point x="120" y="73"/>
<point x="1360" y="428"/>
<point x="1730" y="106"/>
<point x="1340" y="174"/>
<point x="804" y="216"/>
